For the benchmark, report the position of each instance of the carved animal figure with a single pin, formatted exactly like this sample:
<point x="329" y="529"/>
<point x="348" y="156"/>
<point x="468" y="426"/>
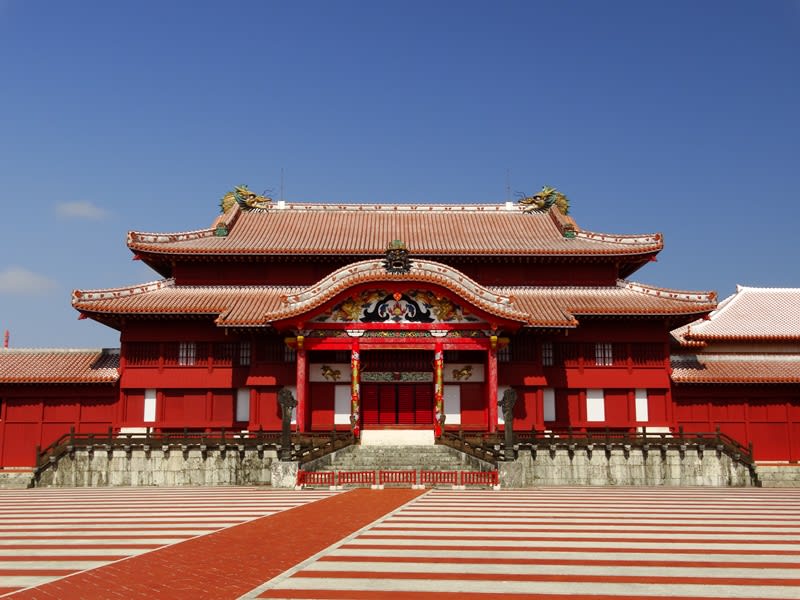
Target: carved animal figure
<point x="330" y="373"/>
<point x="349" y="310"/>
<point x="463" y="373"/>
<point x="544" y="199"/>
<point x="245" y="198"/>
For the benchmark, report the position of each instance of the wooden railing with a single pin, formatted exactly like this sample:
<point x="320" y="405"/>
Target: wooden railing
<point x="404" y="477"/>
<point x="303" y="447"/>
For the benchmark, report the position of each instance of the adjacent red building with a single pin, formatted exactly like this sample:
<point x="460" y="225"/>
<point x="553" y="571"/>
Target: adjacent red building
<point x="398" y="316"/>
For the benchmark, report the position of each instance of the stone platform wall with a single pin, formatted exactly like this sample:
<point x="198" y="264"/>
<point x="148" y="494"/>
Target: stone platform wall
<point x="620" y="467"/>
<point x="542" y="468"/>
<point x="164" y="468"/>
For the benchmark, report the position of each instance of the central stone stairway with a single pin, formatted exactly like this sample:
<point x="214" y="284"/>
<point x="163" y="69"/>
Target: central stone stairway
<point x="378" y="460"/>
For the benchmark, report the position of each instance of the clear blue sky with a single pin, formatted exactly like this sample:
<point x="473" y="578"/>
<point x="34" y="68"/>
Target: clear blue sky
<point x="679" y="117"/>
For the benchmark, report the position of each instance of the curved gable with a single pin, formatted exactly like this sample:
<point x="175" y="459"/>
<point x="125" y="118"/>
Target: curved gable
<point x="374" y="272"/>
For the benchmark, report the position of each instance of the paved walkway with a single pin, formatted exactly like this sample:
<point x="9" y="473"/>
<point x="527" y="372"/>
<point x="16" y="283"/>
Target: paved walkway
<point x="46" y="534"/>
<point x="566" y="543"/>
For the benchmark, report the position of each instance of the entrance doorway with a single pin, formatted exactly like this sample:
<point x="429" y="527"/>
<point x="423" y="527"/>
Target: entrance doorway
<point x="387" y="404"/>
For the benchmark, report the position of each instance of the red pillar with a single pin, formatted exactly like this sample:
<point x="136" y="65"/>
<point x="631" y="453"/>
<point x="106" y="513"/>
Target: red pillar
<point x="491" y="384"/>
<point x="355" y="388"/>
<point x="302" y="385"/>
<point x="438" y="388"/>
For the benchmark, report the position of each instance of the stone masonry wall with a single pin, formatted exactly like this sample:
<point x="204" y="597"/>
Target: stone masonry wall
<point x="619" y="467"/>
<point x="160" y="468"/>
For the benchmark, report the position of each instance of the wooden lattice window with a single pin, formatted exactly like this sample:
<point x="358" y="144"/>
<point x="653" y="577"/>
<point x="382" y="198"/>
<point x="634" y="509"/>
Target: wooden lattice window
<point x="142" y="354"/>
<point x="244" y="354"/>
<point x="603" y="354"/>
<point x="548" y="358"/>
<point x="647" y="354"/>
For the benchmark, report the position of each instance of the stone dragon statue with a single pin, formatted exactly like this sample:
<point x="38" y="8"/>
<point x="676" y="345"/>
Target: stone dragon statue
<point x="544" y="199"/>
<point x="245" y="198"/>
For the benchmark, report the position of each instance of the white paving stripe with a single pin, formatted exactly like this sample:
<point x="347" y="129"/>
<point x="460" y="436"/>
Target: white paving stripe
<point x="712" y="543"/>
<point x="496" y="588"/>
<point x="576" y="555"/>
<point x="87" y="541"/>
<point x="23" y="581"/>
<point x="538" y="569"/>
<point x="73" y="552"/>
<point x="402" y="553"/>
<point x="43" y="564"/>
<point x="88" y="523"/>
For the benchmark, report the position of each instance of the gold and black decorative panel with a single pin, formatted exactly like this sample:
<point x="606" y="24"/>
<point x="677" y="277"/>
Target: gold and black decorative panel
<point x="411" y="306"/>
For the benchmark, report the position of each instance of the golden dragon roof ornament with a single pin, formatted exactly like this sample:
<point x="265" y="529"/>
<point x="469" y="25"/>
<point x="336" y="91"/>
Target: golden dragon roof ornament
<point x="245" y="198"/>
<point x="544" y="199"/>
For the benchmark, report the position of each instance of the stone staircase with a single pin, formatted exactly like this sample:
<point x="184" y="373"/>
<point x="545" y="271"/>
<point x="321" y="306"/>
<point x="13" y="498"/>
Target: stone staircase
<point x="778" y="475"/>
<point x="16" y="479"/>
<point x="398" y="458"/>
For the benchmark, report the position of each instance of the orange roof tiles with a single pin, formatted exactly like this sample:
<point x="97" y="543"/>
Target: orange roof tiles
<point x="365" y="230"/>
<point x="259" y="305"/>
<point x="230" y="305"/>
<point x="751" y="314"/>
<point x="626" y="298"/>
<point x="736" y="368"/>
<point x="58" y="366"/>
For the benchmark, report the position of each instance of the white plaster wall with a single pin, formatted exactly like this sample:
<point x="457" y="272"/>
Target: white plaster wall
<point x="341" y="405"/>
<point x="452" y="404"/>
<point x="595" y="405"/>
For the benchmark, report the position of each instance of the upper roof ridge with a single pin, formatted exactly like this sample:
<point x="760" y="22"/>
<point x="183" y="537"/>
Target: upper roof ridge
<point x="60" y="350"/>
<point x="771" y="290"/>
<point x="621" y="238"/>
<point x="130" y="290"/>
<point x="688" y="295"/>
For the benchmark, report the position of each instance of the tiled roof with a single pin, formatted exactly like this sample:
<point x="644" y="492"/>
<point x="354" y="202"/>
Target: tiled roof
<point x="366" y="230"/>
<point x="547" y="304"/>
<point x="259" y="305"/>
<point x="751" y="314"/>
<point x="736" y="368"/>
<point x="230" y="305"/>
<point x="46" y="365"/>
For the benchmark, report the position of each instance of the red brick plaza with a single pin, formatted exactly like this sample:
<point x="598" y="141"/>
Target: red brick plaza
<point x="563" y="543"/>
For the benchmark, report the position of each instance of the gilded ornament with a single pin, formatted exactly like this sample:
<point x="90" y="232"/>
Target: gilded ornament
<point x="330" y="374"/>
<point x="544" y="200"/>
<point x="463" y="373"/>
<point x="245" y="198"/>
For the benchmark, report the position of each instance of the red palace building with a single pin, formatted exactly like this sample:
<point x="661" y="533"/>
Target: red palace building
<point x="414" y="317"/>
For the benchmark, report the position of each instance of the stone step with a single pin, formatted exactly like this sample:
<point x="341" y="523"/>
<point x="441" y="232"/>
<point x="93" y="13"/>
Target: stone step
<point x="397" y="458"/>
<point x="10" y="479"/>
<point x="779" y="475"/>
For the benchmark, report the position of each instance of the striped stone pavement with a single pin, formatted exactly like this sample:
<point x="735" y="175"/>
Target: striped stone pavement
<point x="566" y="543"/>
<point x="46" y="534"/>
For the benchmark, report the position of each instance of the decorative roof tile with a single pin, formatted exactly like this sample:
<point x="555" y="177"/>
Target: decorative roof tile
<point x="736" y="368"/>
<point x="47" y="365"/>
<point x="751" y="314"/>
<point x="259" y="305"/>
<point x="365" y="230"/>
